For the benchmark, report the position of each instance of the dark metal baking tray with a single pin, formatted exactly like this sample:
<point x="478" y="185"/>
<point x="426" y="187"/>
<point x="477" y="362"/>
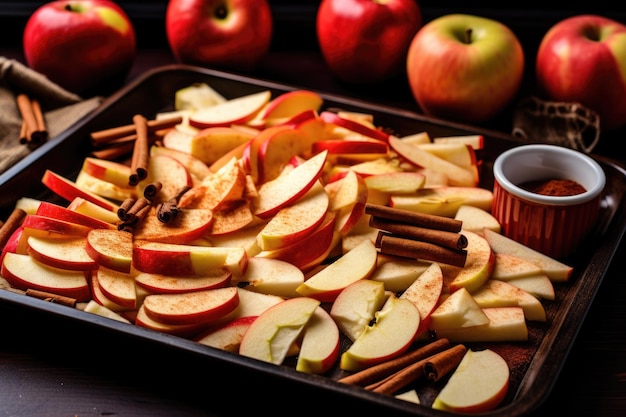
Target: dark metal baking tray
<point x="535" y="365"/>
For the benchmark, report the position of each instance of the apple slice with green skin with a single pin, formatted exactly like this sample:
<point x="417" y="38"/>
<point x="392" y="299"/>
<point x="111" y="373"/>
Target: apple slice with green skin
<point x="187" y="226"/>
<point x="67" y="189"/>
<point x="67" y="253"/>
<point x="272" y="276"/>
<point x="284" y="230"/>
<point x="496" y="293"/>
<point x="286" y="189"/>
<point x="458" y="310"/>
<point x="355" y="306"/>
<point x="88" y="208"/>
<point x="165" y="284"/>
<point x="406" y="182"/>
<point x="479" y="265"/>
<point x="94" y="308"/>
<point x="398" y="317"/>
<point x="217" y="189"/>
<point x="357" y="264"/>
<point x="117" y="286"/>
<point x="354" y="126"/>
<point x="24" y="272"/>
<point x="63" y="213"/>
<point x="271" y="335"/>
<point x="397" y="274"/>
<point x="475" y="219"/>
<point x="457" y="175"/>
<point x="320" y="345"/>
<point x="479" y="384"/>
<point x="228" y="335"/>
<point x="112" y="249"/>
<point x="197" y="169"/>
<point x="310" y="252"/>
<point x="234" y="111"/>
<point x="425" y="293"/>
<point x="175" y="259"/>
<point x="443" y="200"/>
<point x="109" y="171"/>
<point x="191" y="307"/>
<point x="556" y="270"/>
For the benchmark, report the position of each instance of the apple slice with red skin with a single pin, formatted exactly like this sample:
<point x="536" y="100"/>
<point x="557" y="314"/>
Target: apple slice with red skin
<point x="335" y="119"/>
<point x="88" y="208"/>
<point x="286" y="189"/>
<point x="272" y="334"/>
<point x="355" y="306"/>
<point x="142" y="319"/>
<point x="358" y="263"/>
<point x="43" y="226"/>
<point x="168" y="171"/>
<point x="117" y="286"/>
<point x="106" y="170"/>
<point x="165" y="284"/>
<point x="228" y="335"/>
<point x="112" y="249"/>
<point x="175" y="259"/>
<point x="290" y="104"/>
<point x="24" y="272"/>
<point x="475" y="219"/>
<point x="282" y="230"/>
<point x="191" y="307"/>
<point x="234" y="111"/>
<point x="63" y="213"/>
<point x="272" y="276"/>
<point x="98" y="296"/>
<point x="70" y="253"/>
<point x="210" y="144"/>
<point x="68" y="190"/>
<point x="479" y="384"/>
<point x="197" y="169"/>
<point x="398" y="317"/>
<point x="187" y="226"/>
<point x="425" y="293"/>
<point x="276" y="146"/>
<point x="231" y="218"/>
<point x="321" y="343"/>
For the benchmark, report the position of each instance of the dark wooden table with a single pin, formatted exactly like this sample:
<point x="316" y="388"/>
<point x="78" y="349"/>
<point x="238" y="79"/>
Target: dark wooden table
<point x="53" y="372"/>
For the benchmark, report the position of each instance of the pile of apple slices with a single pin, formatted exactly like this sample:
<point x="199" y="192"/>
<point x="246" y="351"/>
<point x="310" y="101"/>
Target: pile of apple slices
<point x="272" y="255"/>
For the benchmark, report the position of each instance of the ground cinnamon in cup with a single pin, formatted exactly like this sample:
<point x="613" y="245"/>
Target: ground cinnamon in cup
<point x="555" y="187"/>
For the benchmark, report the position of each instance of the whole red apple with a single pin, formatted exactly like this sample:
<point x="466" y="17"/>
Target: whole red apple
<point x="233" y="34"/>
<point x="80" y="44"/>
<point x="582" y="59"/>
<point x="465" y="68"/>
<point x="364" y="41"/>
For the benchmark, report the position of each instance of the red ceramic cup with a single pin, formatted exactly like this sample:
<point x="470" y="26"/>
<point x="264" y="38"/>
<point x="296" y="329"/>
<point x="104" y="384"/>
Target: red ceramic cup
<point x="553" y="225"/>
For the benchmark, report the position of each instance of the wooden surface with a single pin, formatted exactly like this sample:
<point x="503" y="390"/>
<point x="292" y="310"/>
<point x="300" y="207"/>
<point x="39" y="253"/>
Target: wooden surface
<point x="50" y="372"/>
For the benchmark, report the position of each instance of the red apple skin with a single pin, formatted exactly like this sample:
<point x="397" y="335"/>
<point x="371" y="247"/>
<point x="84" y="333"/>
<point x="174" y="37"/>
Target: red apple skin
<point x="230" y="34"/>
<point x="580" y="59"/>
<point x="466" y="82"/>
<point x="365" y="41"/>
<point x="80" y="45"/>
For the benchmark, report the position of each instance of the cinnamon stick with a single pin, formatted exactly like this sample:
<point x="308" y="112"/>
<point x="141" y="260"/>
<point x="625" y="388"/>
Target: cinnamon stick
<point x="441" y="364"/>
<point x="32" y="116"/>
<point x="383" y="370"/>
<point x="402" y="378"/>
<point x="409" y="248"/>
<point x="114" y="152"/>
<point x="106" y="135"/>
<point x="11" y="224"/>
<point x="51" y="297"/>
<point x="429" y="221"/>
<point x="450" y="240"/>
<point x="42" y="132"/>
<point x="152" y="190"/>
<point x="139" y="162"/>
<point x="122" y="211"/>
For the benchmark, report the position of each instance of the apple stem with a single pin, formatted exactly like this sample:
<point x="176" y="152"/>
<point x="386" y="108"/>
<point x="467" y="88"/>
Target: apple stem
<point x="221" y="12"/>
<point x="468" y="35"/>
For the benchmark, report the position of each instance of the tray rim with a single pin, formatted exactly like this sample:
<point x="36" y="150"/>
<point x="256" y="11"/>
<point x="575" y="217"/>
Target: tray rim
<point x="537" y="392"/>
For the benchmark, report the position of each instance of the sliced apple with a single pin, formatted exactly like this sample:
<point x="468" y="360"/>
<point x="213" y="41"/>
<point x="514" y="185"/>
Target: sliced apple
<point x="354" y="126"/>
<point x="28" y="204"/>
<point x="425" y="293"/>
<point x="508" y="266"/>
<point x="24" y="272"/>
<point x="165" y="284"/>
<point x="357" y="264"/>
<point x="355" y="306"/>
<point x="94" y="308"/>
<point x="475" y="219"/>
<point x="458" y="310"/>
<point x="406" y="182"/>
<point x="196" y="96"/>
<point x="67" y="189"/>
<point x="110" y="171"/>
<point x="117" y="286"/>
<point x="443" y="200"/>
<point x="479" y="384"/>
<point x="187" y="226"/>
<point x="556" y="270"/>
<point x="477" y="142"/>
<point x="321" y="343"/>
<point x="291" y="103"/>
<point x="103" y="188"/>
<point x="398" y="317"/>
<point x="478" y="266"/>
<point x="176" y="260"/>
<point x="227" y="336"/>
<point x="88" y="208"/>
<point x="234" y="111"/>
<point x="398" y="273"/>
<point x="56" y="211"/>
<point x="67" y="253"/>
<point x="540" y="286"/>
<point x="197" y="168"/>
<point x="191" y="307"/>
<point x="112" y="249"/>
<point x="272" y="276"/>
<point x="50" y="227"/>
<point x="98" y="296"/>
<point x="496" y="293"/>
<point x="286" y="189"/>
<point x="182" y="330"/>
<point x="271" y="335"/>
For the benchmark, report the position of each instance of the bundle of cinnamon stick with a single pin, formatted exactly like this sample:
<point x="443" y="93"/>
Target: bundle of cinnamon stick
<point x="418" y="235"/>
<point x="33" y="131"/>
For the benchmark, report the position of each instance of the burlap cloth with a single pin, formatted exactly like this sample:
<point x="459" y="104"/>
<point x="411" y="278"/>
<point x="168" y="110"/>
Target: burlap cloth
<point x="61" y="108"/>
